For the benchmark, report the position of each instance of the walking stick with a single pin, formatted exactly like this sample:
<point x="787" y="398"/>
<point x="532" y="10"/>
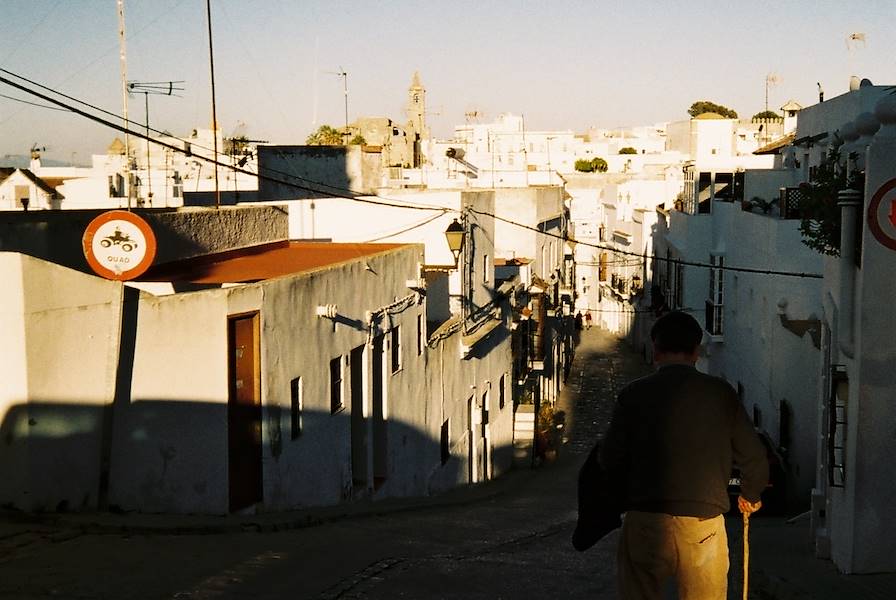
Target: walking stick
<point x="746" y="553"/>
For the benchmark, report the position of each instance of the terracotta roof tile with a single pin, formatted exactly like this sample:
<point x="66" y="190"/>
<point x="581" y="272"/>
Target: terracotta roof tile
<point x="258" y="263"/>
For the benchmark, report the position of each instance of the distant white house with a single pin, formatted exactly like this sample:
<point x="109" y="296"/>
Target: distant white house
<point x="21" y="189"/>
<point x="156" y="176"/>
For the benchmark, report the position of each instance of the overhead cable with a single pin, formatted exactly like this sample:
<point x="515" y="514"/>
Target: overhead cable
<point x="657" y="258"/>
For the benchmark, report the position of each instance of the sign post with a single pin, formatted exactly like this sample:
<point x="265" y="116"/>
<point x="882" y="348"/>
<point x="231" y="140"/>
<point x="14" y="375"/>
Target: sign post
<point x="119" y="245"/>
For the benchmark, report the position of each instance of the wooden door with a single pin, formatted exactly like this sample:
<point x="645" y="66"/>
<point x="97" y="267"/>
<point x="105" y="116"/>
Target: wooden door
<point x="244" y="411"/>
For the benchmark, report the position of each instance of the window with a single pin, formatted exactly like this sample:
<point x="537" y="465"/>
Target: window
<point x="678" y="296"/>
<point x="295" y="402"/>
<point x="336" y="401"/>
<point x="715" y="304"/>
<point x="501" y="396"/>
<point x="445" y="441"/>
<point x="421" y="334"/>
<point x="724" y="187"/>
<point x="837" y="424"/>
<point x="395" y="343"/>
<point x="704" y="193"/>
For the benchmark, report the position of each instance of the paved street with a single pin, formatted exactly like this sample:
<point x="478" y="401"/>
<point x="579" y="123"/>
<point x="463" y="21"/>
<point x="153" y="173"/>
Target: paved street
<point x="507" y="539"/>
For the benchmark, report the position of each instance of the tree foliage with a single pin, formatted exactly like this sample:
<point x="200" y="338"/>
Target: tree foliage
<point x="819" y="212"/>
<point x="705" y="106"/>
<point x="358" y="140"/>
<point x="325" y="136"/>
<point x="766" y="114"/>
<point x="583" y="165"/>
<point x="627" y="150"/>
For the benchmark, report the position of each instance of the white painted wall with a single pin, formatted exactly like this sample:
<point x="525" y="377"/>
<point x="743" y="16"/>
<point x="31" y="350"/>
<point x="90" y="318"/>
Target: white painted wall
<point x="62" y="328"/>
<point x="858" y="521"/>
<point x="170" y="445"/>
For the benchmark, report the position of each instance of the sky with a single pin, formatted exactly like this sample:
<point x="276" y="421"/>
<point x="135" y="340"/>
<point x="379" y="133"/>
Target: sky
<point x="562" y="64"/>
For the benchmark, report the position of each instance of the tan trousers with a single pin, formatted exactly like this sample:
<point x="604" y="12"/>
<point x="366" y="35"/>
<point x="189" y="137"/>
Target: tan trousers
<point x="656" y="548"/>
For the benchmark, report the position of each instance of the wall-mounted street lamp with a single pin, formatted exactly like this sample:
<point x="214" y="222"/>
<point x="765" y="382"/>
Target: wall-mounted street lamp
<point x="454" y="235"/>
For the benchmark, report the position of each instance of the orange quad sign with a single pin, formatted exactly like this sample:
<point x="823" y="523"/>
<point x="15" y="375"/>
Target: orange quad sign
<point x="119" y="245"/>
<point x="882" y="214"/>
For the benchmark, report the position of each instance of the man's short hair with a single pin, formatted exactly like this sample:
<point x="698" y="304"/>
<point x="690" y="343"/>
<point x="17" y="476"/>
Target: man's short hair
<point x="676" y="332"/>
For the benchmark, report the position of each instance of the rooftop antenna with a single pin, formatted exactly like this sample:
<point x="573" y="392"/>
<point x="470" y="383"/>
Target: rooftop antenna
<point x="211" y="63"/>
<point x="156" y="88"/>
<point x="771" y="80"/>
<point x="342" y="73"/>
<point x="123" y="66"/>
<point x="853" y="42"/>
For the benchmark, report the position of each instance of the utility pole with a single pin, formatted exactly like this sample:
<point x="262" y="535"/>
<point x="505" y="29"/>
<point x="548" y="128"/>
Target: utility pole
<point x="123" y="66"/>
<point x="157" y="88"/>
<point x="211" y="63"/>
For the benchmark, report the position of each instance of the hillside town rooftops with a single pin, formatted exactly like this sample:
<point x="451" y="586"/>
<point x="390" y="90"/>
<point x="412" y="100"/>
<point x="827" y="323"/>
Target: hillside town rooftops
<point x="267" y="261"/>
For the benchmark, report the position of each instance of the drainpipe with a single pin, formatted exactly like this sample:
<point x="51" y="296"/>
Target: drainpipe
<point x="849" y="201"/>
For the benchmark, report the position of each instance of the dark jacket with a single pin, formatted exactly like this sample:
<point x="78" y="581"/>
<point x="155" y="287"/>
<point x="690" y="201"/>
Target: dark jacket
<point x="673" y="440"/>
<point x="599" y="505"/>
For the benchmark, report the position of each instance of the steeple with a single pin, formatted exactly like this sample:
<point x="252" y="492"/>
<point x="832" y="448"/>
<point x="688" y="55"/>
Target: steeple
<point x="416" y="107"/>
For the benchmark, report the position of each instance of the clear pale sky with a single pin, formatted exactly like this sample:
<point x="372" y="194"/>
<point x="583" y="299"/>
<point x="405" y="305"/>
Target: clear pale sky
<point x="560" y="63"/>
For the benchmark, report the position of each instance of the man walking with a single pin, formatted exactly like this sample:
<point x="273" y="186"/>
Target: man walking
<point x="672" y="441"/>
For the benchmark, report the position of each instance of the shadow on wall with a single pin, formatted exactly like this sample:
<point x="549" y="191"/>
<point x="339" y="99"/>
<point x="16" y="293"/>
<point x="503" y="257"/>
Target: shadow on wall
<point x="182" y="456"/>
<point x="302" y="172"/>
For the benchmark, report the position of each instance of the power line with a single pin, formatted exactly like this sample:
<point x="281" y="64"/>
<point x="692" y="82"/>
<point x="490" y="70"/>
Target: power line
<point x="340" y="191"/>
<point x="368" y="200"/>
<point x="215" y="162"/>
<point x="657" y="258"/>
<point x="33" y="103"/>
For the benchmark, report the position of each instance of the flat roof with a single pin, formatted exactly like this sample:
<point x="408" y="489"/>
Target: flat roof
<point x="257" y="263"/>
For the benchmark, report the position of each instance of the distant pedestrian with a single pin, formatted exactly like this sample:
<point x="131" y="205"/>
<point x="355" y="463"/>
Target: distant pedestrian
<point x="587" y="319"/>
<point x="669" y="451"/>
<point x="579" y="321"/>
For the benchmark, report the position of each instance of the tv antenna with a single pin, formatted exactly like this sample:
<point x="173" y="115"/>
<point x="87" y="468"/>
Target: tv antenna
<point x="771" y="80"/>
<point x="155" y="88"/>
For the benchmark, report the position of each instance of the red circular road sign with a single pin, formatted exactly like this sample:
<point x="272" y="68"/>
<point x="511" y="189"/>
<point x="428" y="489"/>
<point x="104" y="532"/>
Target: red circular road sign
<point x="882" y="214"/>
<point x="119" y="245"/>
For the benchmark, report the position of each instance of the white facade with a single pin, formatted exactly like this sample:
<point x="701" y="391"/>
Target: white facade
<point x="149" y="399"/>
<point x="159" y="181"/>
<point x="854" y="492"/>
<point x="22" y="190"/>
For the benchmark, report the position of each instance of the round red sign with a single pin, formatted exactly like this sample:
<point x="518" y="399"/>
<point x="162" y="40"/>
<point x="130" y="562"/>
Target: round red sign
<point x="119" y="245"/>
<point x="882" y="214"/>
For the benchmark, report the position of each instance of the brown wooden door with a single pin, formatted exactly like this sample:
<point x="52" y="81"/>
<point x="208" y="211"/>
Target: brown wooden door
<point x="244" y="412"/>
